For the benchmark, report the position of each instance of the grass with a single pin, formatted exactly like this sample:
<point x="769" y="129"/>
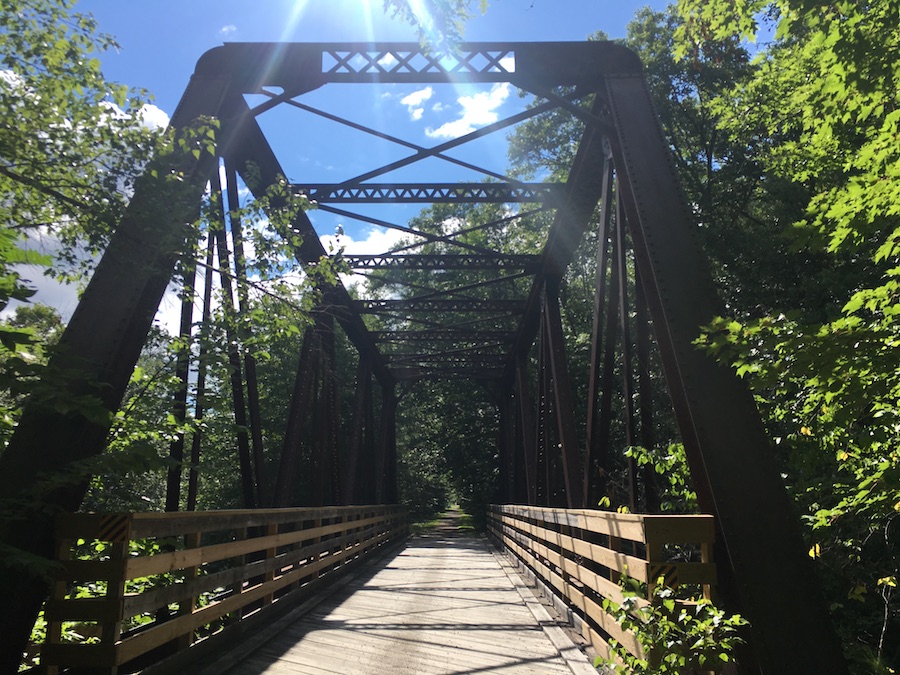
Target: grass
<point x="423" y="525"/>
<point x="464" y="523"/>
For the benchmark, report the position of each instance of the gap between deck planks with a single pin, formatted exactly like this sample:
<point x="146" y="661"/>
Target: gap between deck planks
<point x="444" y="604"/>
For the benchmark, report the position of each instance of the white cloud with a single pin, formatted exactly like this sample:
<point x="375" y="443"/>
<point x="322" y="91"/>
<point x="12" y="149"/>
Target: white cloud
<point x="417" y="98"/>
<point x="153" y="117"/>
<point x="388" y="61"/>
<point x="377" y="241"/>
<point x="414" y="101"/>
<point x="452" y="225"/>
<point x="228" y="30"/>
<point x="11" y="78"/>
<point x="477" y="110"/>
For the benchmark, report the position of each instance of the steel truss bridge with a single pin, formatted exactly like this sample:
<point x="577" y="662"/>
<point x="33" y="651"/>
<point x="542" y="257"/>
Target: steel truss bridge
<point x="500" y="326"/>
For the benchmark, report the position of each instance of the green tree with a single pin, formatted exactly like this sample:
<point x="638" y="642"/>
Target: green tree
<point x="30" y="331"/>
<point x="822" y="106"/>
<point x="69" y="162"/>
<point x="70" y="151"/>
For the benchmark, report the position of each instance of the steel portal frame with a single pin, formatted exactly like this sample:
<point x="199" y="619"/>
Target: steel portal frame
<point x="622" y="164"/>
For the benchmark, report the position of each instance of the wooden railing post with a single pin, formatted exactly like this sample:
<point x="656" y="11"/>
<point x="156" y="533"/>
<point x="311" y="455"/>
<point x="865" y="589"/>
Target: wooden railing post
<point x="317" y="523"/>
<point x="240" y="534"/>
<point x="188" y="605"/>
<point x="271" y="530"/>
<point x="115" y="596"/>
<point x="57" y="594"/>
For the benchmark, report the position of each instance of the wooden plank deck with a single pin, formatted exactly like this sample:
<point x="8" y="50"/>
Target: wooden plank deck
<point x="443" y="604"/>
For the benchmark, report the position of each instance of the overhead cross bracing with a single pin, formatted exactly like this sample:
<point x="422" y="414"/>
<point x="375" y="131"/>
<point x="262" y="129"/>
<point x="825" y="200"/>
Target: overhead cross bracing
<point x="505" y="298"/>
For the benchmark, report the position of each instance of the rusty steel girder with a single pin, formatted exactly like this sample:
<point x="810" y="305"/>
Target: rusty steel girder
<point x="431" y="193"/>
<point x="424" y="261"/>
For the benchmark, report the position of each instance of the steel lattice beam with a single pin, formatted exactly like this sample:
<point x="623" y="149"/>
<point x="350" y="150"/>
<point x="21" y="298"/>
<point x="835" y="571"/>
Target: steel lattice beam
<point x="442" y="262"/>
<point x="443" y="335"/>
<point x="442" y="358"/>
<point x="438" y="305"/>
<point x="430" y="193"/>
<point x="433" y="372"/>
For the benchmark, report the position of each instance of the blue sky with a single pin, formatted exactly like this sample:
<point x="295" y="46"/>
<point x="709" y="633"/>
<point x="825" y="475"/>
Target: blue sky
<point x="161" y="41"/>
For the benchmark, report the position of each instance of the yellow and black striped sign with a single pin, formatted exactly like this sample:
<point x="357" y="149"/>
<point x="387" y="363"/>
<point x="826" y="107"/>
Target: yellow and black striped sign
<point x="114" y="528"/>
<point x="669" y="574"/>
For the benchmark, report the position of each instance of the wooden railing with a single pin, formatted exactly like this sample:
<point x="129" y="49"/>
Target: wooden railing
<point x="138" y="587"/>
<point x="581" y="555"/>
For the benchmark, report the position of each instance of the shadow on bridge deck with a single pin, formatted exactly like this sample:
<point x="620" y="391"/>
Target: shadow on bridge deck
<point x="444" y="603"/>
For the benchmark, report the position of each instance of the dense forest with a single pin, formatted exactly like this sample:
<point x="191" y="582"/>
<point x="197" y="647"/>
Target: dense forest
<point x="784" y="122"/>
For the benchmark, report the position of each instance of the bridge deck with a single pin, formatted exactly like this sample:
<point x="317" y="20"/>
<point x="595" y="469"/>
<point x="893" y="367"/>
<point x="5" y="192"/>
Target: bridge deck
<point x="443" y="604"/>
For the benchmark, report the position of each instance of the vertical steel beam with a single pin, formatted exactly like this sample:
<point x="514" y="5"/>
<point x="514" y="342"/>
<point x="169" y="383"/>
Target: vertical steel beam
<point x="563" y="403"/>
<point x="386" y="464"/>
<point x="318" y="461"/>
<point x="182" y="374"/>
<point x="513" y="458"/>
<point x="356" y="451"/>
<point x="200" y="395"/>
<point x="286" y="480"/>
<point x="594" y="450"/>
<point x="543" y="484"/>
<point x="645" y="392"/>
<point x="366" y="487"/>
<point x="520" y="482"/>
<point x="331" y="414"/>
<point x="505" y="440"/>
<point x="527" y="431"/>
<point x="732" y="463"/>
<point x="248" y="486"/>
<point x="245" y="333"/>
<point x="600" y="480"/>
<point x="627" y="369"/>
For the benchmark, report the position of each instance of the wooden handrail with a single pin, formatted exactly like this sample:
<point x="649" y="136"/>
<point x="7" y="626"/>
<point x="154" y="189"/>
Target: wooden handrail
<point x="580" y="555"/>
<point x="134" y="582"/>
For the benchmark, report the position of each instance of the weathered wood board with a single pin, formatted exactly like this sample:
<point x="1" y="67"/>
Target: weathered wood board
<point x="443" y="604"/>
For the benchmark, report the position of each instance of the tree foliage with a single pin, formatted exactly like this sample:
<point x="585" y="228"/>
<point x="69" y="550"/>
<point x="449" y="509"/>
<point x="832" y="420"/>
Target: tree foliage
<point x="822" y="109"/>
<point x="71" y="145"/>
<point x="676" y="636"/>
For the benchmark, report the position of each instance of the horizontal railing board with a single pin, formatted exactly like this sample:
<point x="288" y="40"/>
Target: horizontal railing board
<point x="133" y="647"/>
<point x="144" y="566"/>
<point x="84" y="609"/>
<point x="328" y="539"/>
<point x="614" y="560"/>
<point x="557" y="544"/>
<point x="152" y="600"/>
<point x="636" y="568"/>
<point x="592" y="580"/>
<point x="568" y="591"/>
<point x="89" y="570"/>
<point x="659" y="530"/>
<point x="619" y="525"/>
<point x="78" y="655"/>
<point x="167" y="524"/>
